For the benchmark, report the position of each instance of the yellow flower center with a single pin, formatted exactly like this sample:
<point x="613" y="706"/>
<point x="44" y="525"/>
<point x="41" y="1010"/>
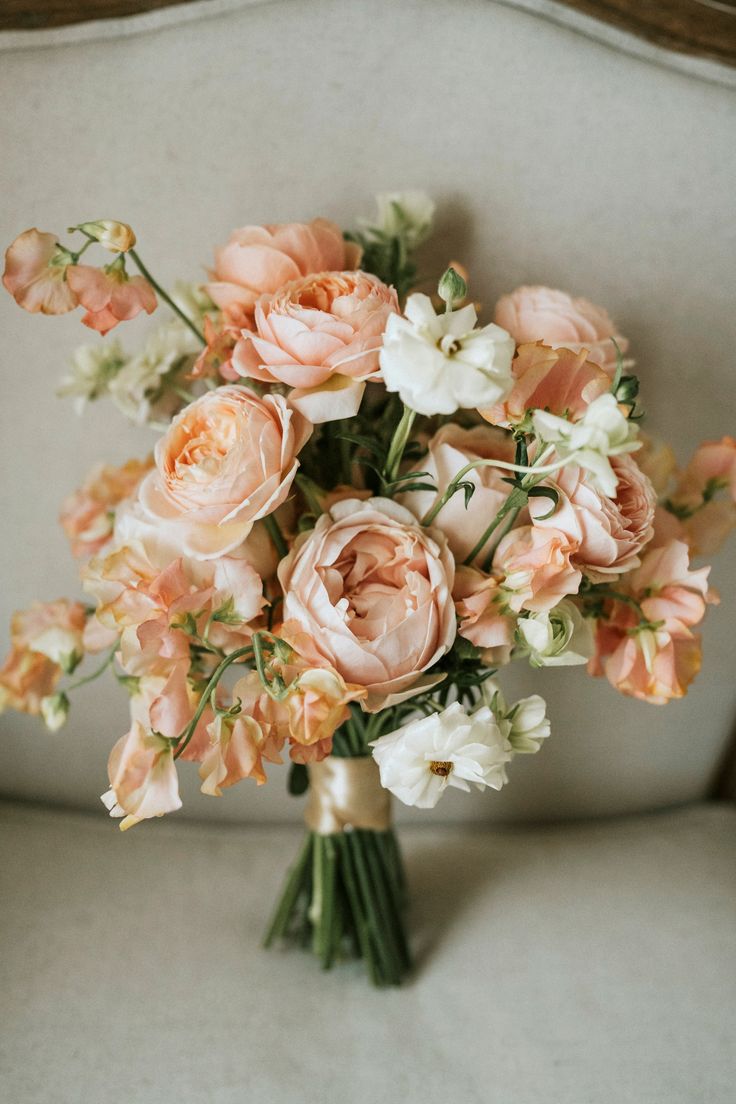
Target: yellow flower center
<point x="440" y="768"/>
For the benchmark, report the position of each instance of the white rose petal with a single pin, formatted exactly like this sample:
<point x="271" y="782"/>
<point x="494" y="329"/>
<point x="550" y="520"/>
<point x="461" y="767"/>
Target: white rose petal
<point x="452" y="748"/>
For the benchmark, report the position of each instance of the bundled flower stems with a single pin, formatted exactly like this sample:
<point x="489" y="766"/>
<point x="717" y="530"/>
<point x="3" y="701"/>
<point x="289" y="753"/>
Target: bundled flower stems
<point x="361" y="505"/>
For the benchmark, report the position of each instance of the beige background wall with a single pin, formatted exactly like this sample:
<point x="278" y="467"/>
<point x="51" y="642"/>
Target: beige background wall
<point x="553" y="159"/>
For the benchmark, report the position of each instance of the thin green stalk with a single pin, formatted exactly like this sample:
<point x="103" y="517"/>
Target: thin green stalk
<point x="96" y="673"/>
<point x="359" y="915"/>
<point x="274" y="531"/>
<point x="294" y="883"/>
<point x="165" y="296"/>
<point x="511" y="503"/>
<point x="219" y="671"/>
<point x="398" y="444"/>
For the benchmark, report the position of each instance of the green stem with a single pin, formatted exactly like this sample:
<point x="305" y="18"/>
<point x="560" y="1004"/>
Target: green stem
<point x="165" y="296"/>
<point x="512" y="516"/>
<point x="219" y="671"/>
<point x="398" y="444"/>
<point x="274" y="531"/>
<point x="96" y="673"/>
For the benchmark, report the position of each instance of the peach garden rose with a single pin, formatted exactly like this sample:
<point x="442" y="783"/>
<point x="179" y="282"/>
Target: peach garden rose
<point x="558" y="319"/>
<point x="228" y="459"/>
<point x="369" y="592"/>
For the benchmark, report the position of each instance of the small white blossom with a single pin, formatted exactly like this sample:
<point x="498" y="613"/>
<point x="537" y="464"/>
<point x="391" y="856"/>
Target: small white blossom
<point x="440" y="363"/>
<point x="560" y="637"/>
<point x="140" y="389"/>
<point x="452" y="748"/>
<point x="603" y="431"/>
<point x="55" y="710"/>
<point x="91" y="370"/>
<point x="524" y="724"/>
<point x="406" y="215"/>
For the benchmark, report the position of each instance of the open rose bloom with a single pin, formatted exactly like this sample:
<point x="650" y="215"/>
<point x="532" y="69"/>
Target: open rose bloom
<point x="363" y="502"/>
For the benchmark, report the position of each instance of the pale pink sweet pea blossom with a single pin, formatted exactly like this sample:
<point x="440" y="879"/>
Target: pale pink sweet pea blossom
<point x="234" y="753"/>
<point x="558" y="319"/>
<point x="36" y="269"/>
<point x="109" y="295"/>
<point x="227" y="460"/>
<point x="369" y="593"/>
<point x="88" y="515"/>
<point x="657" y="659"/>
<point x="482" y="615"/>
<point x="143" y="779"/>
<point x="450" y="450"/>
<point x="45" y="640"/>
<point x="537" y="568"/>
<point x="712" y="468"/>
<point x="320" y="336"/>
<point x="259" y="260"/>
<point x="554" y="379"/>
<point x="610" y="533"/>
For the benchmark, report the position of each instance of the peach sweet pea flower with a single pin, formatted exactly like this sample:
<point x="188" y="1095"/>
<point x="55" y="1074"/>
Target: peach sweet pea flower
<point x="316" y="708"/>
<point x="657" y="659"/>
<point x="480" y="607"/>
<point x="143" y="779"/>
<point x="36" y="268"/>
<point x="88" y="515"/>
<point x="713" y="467"/>
<point x="234" y="754"/>
<point x="109" y="295"/>
<point x="369" y="593"/>
<point x="321" y="336"/>
<point x="538" y="568"/>
<point x="449" y="451"/>
<point x="609" y="532"/>
<point x="228" y="459"/>
<point x="152" y="601"/>
<point x="554" y="379"/>
<point x="259" y="260"/>
<point x="556" y="318"/>
<point x="44" y="641"/>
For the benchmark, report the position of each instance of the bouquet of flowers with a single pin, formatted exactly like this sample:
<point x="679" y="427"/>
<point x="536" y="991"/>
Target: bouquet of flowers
<point x="361" y="505"/>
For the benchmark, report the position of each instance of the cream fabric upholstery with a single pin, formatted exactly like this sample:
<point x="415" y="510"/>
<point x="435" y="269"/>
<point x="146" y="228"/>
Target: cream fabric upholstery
<point x="553" y="158"/>
<point x="580" y="964"/>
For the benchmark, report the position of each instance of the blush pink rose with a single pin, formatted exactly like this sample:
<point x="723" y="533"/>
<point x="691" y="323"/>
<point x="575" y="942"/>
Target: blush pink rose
<point x="537" y="568"/>
<point x="321" y="336"/>
<point x="228" y="459"/>
<point x="369" y="593"/>
<point x="259" y="260"/>
<point x="558" y="380"/>
<point x="609" y="533"/>
<point x="556" y="318"/>
<point x="451" y="448"/>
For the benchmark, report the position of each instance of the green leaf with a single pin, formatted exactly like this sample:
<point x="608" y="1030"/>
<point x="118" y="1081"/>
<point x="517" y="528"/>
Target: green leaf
<point x="468" y="490"/>
<point x="545" y="492"/>
<point x="298" y="782"/>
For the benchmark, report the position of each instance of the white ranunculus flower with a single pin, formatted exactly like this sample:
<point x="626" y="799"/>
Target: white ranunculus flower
<point x="91" y="370"/>
<point x="452" y="748"/>
<point x="440" y="363"/>
<point x="603" y="431"/>
<point x="524" y="724"/>
<point x="406" y="215"/>
<point x="139" y="388"/>
<point x="560" y="637"/>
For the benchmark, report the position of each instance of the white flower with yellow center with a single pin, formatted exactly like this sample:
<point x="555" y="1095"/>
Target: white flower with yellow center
<point x="452" y="748"/>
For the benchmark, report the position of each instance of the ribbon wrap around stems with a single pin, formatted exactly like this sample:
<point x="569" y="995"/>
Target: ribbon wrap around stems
<point x="346" y="793"/>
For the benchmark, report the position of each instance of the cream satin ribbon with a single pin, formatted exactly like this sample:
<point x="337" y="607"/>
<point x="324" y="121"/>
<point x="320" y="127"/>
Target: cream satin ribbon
<point x="346" y="792"/>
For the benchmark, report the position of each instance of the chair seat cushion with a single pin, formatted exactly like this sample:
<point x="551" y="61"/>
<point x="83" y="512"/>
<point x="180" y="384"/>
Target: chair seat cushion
<point x="575" y="964"/>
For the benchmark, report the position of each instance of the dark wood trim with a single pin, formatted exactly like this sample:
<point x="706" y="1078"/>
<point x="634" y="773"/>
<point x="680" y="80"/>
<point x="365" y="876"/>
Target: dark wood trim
<point x="698" y="28"/>
<point x="724" y="781"/>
